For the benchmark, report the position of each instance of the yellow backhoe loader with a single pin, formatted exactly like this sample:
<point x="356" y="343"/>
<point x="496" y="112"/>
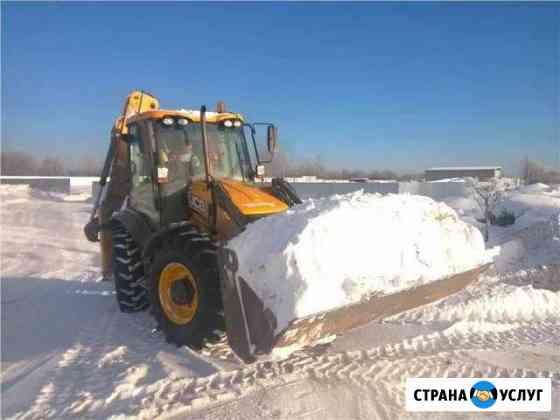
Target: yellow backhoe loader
<point x="175" y="187"/>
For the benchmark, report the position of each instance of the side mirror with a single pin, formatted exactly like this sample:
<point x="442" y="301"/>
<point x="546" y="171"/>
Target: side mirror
<point x="272" y="139"/>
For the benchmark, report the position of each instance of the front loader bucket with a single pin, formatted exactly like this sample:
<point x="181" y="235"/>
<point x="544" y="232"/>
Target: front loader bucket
<point x="250" y="326"/>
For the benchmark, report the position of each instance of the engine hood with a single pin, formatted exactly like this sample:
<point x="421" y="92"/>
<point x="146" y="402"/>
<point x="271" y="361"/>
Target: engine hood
<point x="252" y="201"/>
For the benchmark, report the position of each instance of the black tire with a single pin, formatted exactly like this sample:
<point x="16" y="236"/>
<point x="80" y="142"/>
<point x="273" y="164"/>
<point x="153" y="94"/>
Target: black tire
<point x="198" y="255"/>
<point x="128" y="272"/>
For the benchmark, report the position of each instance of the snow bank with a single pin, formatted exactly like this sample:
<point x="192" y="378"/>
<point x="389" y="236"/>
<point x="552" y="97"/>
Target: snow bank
<point x="464" y="206"/>
<point x="22" y="193"/>
<point x="524" y="296"/>
<point x="332" y="251"/>
<point x="537" y="188"/>
<point x="530" y="208"/>
<point x="14" y="194"/>
<point x="83" y="181"/>
<point x="510" y="255"/>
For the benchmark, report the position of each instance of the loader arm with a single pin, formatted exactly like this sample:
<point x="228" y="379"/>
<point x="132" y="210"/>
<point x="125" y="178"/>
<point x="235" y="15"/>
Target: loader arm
<point x="93" y="227"/>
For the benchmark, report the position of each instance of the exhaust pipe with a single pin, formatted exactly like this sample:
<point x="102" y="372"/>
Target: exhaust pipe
<point x="205" y="143"/>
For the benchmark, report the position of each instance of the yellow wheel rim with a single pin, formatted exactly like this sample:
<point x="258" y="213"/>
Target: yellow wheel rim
<point x="178" y="293"/>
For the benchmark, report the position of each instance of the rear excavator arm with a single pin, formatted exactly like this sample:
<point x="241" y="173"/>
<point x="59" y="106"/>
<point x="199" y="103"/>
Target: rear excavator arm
<point x="114" y="183"/>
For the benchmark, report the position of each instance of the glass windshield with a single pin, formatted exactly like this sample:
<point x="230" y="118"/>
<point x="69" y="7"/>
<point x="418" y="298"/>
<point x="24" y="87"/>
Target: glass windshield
<point x="227" y="149"/>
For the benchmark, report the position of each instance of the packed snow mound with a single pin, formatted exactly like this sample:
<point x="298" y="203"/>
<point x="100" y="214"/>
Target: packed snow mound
<point x="14" y="194"/>
<point x="332" y="251"/>
<point x="7" y="190"/>
<point x="529" y="295"/>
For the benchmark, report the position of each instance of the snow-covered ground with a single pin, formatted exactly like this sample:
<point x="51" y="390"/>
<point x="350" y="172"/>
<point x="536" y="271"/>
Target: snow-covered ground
<point x="67" y="352"/>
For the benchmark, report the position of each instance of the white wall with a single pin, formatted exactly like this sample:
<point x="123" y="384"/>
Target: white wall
<point x="435" y="190"/>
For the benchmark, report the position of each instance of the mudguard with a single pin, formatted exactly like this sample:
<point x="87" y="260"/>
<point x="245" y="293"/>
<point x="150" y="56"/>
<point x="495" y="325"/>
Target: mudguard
<point x="250" y="325"/>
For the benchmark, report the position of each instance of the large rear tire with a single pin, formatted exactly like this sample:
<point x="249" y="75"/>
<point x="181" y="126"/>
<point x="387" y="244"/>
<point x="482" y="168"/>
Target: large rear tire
<point x="184" y="292"/>
<point x="128" y="272"/>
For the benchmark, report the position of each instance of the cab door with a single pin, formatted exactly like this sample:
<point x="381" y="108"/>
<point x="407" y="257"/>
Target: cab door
<point x="142" y="191"/>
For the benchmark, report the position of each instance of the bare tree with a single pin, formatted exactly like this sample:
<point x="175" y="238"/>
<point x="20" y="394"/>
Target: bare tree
<point x="51" y="166"/>
<point x="90" y="166"/>
<point x="18" y="164"/>
<point x="278" y="167"/>
<point x="533" y="172"/>
<point x="487" y="195"/>
<point x="411" y="177"/>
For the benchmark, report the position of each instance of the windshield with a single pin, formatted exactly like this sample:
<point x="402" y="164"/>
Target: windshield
<point x="227" y="149"/>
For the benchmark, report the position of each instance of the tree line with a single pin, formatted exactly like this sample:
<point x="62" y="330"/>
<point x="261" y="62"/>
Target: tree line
<point x="533" y="172"/>
<point x="25" y="164"/>
<point x="281" y="166"/>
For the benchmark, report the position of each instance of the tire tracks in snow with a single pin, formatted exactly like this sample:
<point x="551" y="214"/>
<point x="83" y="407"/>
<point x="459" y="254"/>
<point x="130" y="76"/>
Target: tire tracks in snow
<point x="382" y="369"/>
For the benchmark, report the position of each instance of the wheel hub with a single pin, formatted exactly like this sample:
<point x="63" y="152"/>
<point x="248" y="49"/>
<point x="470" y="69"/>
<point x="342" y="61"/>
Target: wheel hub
<point x="182" y="292"/>
<point x="178" y="293"/>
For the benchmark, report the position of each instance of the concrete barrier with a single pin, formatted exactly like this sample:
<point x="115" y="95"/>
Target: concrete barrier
<point x="326" y="189"/>
<point x="435" y="190"/>
<point x="58" y="184"/>
<point x="95" y="186"/>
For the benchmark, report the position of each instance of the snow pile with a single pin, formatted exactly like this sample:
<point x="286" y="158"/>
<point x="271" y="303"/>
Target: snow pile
<point x="530" y="208"/>
<point x="14" y="194"/>
<point x="510" y="255"/>
<point x="464" y="206"/>
<point x="524" y="296"/>
<point x="23" y="193"/>
<point x="537" y="188"/>
<point x="554" y="192"/>
<point x="83" y="181"/>
<point x="332" y="251"/>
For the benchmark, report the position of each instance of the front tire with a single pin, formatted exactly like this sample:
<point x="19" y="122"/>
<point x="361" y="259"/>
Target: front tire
<point x="183" y="293"/>
<point x="128" y="272"/>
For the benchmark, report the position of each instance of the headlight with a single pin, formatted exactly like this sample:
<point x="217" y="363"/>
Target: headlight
<point x="228" y="123"/>
<point x="237" y="123"/>
<point x="167" y="121"/>
<point x="182" y="121"/>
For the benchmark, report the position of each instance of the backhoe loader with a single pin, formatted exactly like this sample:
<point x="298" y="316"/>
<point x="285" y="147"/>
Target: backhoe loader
<point x="175" y="187"/>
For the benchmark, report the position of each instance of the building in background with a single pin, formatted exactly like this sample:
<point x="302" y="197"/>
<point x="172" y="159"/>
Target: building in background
<point x="481" y="172"/>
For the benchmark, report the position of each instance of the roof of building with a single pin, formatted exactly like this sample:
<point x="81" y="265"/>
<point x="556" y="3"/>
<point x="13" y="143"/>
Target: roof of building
<point x="465" y="168"/>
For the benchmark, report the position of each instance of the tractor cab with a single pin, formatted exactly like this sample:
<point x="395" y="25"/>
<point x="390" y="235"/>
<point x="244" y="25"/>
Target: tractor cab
<point x="176" y="156"/>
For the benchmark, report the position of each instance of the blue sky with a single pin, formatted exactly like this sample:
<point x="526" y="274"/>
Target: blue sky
<point x="362" y="85"/>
